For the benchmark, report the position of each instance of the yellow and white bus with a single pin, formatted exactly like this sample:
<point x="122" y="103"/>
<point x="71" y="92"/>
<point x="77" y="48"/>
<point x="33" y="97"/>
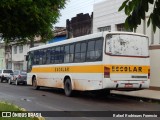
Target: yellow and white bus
<point x="101" y="61"/>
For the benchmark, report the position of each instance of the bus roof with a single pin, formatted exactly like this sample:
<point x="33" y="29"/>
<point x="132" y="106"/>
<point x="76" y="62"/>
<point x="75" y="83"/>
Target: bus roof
<point x="85" y="37"/>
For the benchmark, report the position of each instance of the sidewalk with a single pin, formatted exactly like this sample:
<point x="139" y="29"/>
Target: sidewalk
<point x="147" y="94"/>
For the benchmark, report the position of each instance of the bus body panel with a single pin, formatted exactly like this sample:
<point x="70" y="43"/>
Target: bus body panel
<point x="122" y="71"/>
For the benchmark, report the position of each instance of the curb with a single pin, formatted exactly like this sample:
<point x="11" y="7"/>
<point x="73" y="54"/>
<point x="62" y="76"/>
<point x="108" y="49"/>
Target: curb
<point x="141" y="99"/>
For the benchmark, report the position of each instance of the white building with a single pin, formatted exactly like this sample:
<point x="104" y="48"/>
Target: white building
<point x="107" y="17"/>
<point x="2" y="55"/>
<point x="18" y="54"/>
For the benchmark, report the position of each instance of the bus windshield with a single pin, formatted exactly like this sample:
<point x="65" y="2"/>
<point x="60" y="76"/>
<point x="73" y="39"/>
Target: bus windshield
<point x="127" y="45"/>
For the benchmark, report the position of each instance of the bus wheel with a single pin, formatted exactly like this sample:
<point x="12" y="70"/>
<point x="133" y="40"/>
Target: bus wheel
<point x="9" y="81"/>
<point x="68" y="87"/>
<point x="34" y="84"/>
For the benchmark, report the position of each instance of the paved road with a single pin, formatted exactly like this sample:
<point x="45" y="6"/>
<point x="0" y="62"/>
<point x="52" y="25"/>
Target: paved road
<point x="47" y="99"/>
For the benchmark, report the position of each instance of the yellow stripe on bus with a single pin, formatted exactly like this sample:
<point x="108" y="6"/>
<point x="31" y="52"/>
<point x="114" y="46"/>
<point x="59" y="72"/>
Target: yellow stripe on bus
<point x="129" y="69"/>
<point x="114" y="69"/>
<point x="69" y="69"/>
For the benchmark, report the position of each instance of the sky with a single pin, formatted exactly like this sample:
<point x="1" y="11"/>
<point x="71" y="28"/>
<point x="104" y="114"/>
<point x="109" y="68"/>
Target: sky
<point x="74" y="7"/>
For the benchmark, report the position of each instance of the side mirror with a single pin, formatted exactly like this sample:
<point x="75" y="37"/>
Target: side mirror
<point x="27" y="57"/>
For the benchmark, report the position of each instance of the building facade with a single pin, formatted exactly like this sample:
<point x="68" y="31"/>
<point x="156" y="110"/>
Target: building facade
<point x="2" y="56"/>
<point x="79" y="25"/>
<point x="107" y="18"/>
<point x="18" y="56"/>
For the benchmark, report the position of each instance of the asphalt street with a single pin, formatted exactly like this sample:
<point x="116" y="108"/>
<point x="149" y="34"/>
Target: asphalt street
<point x="49" y="99"/>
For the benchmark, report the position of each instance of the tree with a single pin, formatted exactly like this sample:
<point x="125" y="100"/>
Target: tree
<point x="24" y="19"/>
<point x="136" y="11"/>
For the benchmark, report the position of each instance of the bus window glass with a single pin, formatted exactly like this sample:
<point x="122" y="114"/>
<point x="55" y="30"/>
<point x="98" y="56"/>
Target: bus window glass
<point x="48" y="54"/>
<point x="41" y="57"/>
<point x="30" y="61"/>
<point x="98" y="49"/>
<point x="77" y="52"/>
<point x="66" y="57"/>
<point x="44" y="56"/>
<point x="61" y="55"/>
<point x="129" y="45"/>
<point x="71" y="58"/>
<point x="91" y="51"/>
<point x="83" y="51"/>
<point x="57" y="55"/>
<point x="52" y="55"/>
<point x="36" y="57"/>
<point x="108" y="43"/>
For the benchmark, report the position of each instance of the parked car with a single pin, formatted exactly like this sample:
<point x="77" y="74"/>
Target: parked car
<point x="5" y="75"/>
<point x="19" y="77"/>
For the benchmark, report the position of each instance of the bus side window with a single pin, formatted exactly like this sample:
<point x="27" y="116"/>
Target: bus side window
<point x="52" y="55"/>
<point x="91" y="51"/>
<point x="41" y="57"/>
<point x="44" y="56"/>
<point x="71" y="55"/>
<point x="108" y="44"/>
<point x="61" y="55"/>
<point x="36" y="57"/>
<point x="80" y="52"/>
<point x="98" y="49"/>
<point x="77" y="52"/>
<point x="48" y="56"/>
<point x="66" y="54"/>
<point x="30" y="62"/>
<point x="83" y="51"/>
<point x="57" y="55"/>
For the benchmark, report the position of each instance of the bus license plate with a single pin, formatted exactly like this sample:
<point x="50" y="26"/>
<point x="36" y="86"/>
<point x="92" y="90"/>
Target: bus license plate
<point x="128" y="85"/>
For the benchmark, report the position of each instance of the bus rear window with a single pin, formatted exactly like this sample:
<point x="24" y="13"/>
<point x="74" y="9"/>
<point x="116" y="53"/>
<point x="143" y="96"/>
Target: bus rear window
<point x="127" y="45"/>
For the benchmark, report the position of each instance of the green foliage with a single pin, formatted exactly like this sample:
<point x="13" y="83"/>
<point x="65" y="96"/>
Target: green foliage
<point x="136" y="11"/>
<point x="21" y="19"/>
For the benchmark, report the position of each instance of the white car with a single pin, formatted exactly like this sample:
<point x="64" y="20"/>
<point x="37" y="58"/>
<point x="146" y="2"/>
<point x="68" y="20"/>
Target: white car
<point x="5" y="75"/>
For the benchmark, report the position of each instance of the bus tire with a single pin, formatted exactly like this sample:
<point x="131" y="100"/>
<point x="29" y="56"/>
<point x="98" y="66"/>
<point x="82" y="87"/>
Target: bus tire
<point x="34" y="84"/>
<point x="1" y="80"/>
<point x="68" y="87"/>
<point x="9" y="81"/>
<point x="16" y="82"/>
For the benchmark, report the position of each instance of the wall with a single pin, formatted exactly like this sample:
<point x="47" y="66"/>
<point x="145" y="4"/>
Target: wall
<point x="18" y="59"/>
<point x="79" y="25"/>
<point x="106" y="14"/>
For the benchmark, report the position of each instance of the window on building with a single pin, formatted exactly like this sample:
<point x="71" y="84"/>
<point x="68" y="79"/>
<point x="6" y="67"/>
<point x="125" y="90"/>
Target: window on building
<point x="106" y="28"/>
<point x="21" y="49"/>
<point x="121" y="27"/>
<point x="15" y="49"/>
